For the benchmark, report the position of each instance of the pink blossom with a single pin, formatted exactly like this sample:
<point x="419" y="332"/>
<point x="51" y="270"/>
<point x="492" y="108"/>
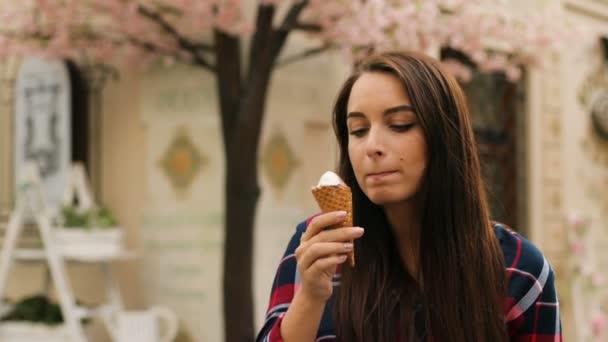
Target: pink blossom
<point x="479" y="56"/>
<point x="356" y="26"/>
<point x="453" y="4"/>
<point x="269" y="2"/>
<point x="513" y="73"/>
<point x="577" y="247"/>
<point x="458" y="70"/>
<point x="599" y="324"/>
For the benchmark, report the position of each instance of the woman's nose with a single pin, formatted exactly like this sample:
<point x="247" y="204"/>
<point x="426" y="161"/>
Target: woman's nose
<point x="374" y="144"/>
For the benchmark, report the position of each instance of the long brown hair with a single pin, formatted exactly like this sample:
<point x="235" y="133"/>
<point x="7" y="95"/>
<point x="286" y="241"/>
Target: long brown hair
<point x="461" y="264"/>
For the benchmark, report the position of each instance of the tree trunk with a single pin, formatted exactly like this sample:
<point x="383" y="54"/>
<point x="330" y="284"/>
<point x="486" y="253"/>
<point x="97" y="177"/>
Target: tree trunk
<point x="242" y="194"/>
<point x="242" y="107"/>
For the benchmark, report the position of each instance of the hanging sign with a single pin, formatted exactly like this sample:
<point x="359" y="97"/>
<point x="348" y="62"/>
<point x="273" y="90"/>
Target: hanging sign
<point x="43" y="123"/>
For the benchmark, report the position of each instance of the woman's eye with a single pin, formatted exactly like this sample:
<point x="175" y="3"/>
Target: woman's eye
<point x="402" y="128"/>
<point x="358" y="132"/>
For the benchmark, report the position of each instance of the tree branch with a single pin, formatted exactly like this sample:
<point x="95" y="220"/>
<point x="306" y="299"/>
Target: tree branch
<point x="261" y="37"/>
<point x="195" y="49"/>
<point x="307" y="27"/>
<point x="303" y="55"/>
<point x="291" y="19"/>
<point x="196" y="60"/>
<point x="199" y="60"/>
<point x="275" y="38"/>
<point x="182" y="41"/>
<point x="229" y="81"/>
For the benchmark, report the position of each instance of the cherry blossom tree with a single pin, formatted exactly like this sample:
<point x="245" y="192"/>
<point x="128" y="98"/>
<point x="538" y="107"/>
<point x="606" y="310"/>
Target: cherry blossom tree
<point x="211" y="35"/>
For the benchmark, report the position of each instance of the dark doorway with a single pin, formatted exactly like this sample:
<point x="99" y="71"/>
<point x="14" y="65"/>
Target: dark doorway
<point x="80" y="116"/>
<point x="497" y="108"/>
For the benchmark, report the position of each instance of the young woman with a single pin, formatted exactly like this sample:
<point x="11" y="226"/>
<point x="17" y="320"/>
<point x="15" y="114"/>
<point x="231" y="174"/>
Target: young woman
<point x="431" y="265"/>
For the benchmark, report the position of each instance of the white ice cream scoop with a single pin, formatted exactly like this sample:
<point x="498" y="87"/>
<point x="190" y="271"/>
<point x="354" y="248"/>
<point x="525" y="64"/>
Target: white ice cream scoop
<point x="330" y="178"/>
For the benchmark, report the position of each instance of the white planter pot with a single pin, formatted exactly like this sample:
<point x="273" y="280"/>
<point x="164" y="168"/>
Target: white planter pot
<point x="32" y="332"/>
<point x="75" y="242"/>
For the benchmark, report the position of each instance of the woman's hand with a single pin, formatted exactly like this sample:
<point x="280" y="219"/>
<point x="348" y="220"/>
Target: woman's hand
<point x="321" y="251"/>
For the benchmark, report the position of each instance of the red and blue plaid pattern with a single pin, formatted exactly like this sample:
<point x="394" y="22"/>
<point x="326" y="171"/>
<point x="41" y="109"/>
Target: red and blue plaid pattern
<point x="531" y="305"/>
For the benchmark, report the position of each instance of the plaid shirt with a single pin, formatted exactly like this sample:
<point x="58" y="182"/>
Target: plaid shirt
<point x="531" y="305"/>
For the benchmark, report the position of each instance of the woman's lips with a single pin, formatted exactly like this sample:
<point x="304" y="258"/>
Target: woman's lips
<point x="380" y="175"/>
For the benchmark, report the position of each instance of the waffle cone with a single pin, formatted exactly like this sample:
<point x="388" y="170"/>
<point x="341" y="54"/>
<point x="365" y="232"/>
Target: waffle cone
<point x="336" y="198"/>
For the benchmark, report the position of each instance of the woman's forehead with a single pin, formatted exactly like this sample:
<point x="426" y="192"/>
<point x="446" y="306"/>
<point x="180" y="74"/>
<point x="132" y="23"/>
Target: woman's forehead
<point x="375" y="89"/>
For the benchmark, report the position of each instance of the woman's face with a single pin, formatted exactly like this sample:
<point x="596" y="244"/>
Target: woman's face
<point x="386" y="144"/>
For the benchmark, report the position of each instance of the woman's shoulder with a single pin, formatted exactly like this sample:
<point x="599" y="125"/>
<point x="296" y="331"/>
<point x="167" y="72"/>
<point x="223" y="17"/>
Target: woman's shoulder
<point x="530" y="281"/>
<point x="519" y="253"/>
<point x="528" y="271"/>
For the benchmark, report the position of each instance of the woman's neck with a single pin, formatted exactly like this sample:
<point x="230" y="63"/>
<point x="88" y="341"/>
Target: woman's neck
<point x="405" y="223"/>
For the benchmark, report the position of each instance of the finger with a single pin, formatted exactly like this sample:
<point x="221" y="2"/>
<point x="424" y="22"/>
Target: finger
<point x="338" y="235"/>
<point x="322" y="250"/>
<point x="323" y="221"/>
<point x="328" y="264"/>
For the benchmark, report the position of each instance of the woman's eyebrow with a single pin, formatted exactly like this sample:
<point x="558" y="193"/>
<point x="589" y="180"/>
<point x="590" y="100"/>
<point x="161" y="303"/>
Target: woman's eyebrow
<point x="355" y="115"/>
<point x="401" y="108"/>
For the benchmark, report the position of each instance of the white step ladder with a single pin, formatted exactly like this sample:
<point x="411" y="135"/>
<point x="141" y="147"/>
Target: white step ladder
<point x="31" y="204"/>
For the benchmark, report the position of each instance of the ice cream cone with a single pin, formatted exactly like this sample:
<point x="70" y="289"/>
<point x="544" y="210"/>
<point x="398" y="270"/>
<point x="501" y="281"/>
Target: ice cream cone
<point x="335" y="198"/>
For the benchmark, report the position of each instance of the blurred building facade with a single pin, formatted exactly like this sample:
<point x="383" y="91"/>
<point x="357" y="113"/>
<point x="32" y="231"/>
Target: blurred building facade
<point x="159" y="166"/>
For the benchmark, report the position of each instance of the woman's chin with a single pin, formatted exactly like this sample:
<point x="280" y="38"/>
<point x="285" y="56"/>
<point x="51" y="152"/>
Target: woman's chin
<point x="383" y="199"/>
<point x="386" y="197"/>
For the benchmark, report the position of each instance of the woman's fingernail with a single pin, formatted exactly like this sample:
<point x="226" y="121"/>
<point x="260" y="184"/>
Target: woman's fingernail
<point x="341" y="214"/>
<point x="358" y="230"/>
<point x="348" y="246"/>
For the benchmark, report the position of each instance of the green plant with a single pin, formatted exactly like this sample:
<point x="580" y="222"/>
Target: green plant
<point x="94" y="218"/>
<point x="35" y="309"/>
<point x="103" y="218"/>
<point x="73" y="219"/>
